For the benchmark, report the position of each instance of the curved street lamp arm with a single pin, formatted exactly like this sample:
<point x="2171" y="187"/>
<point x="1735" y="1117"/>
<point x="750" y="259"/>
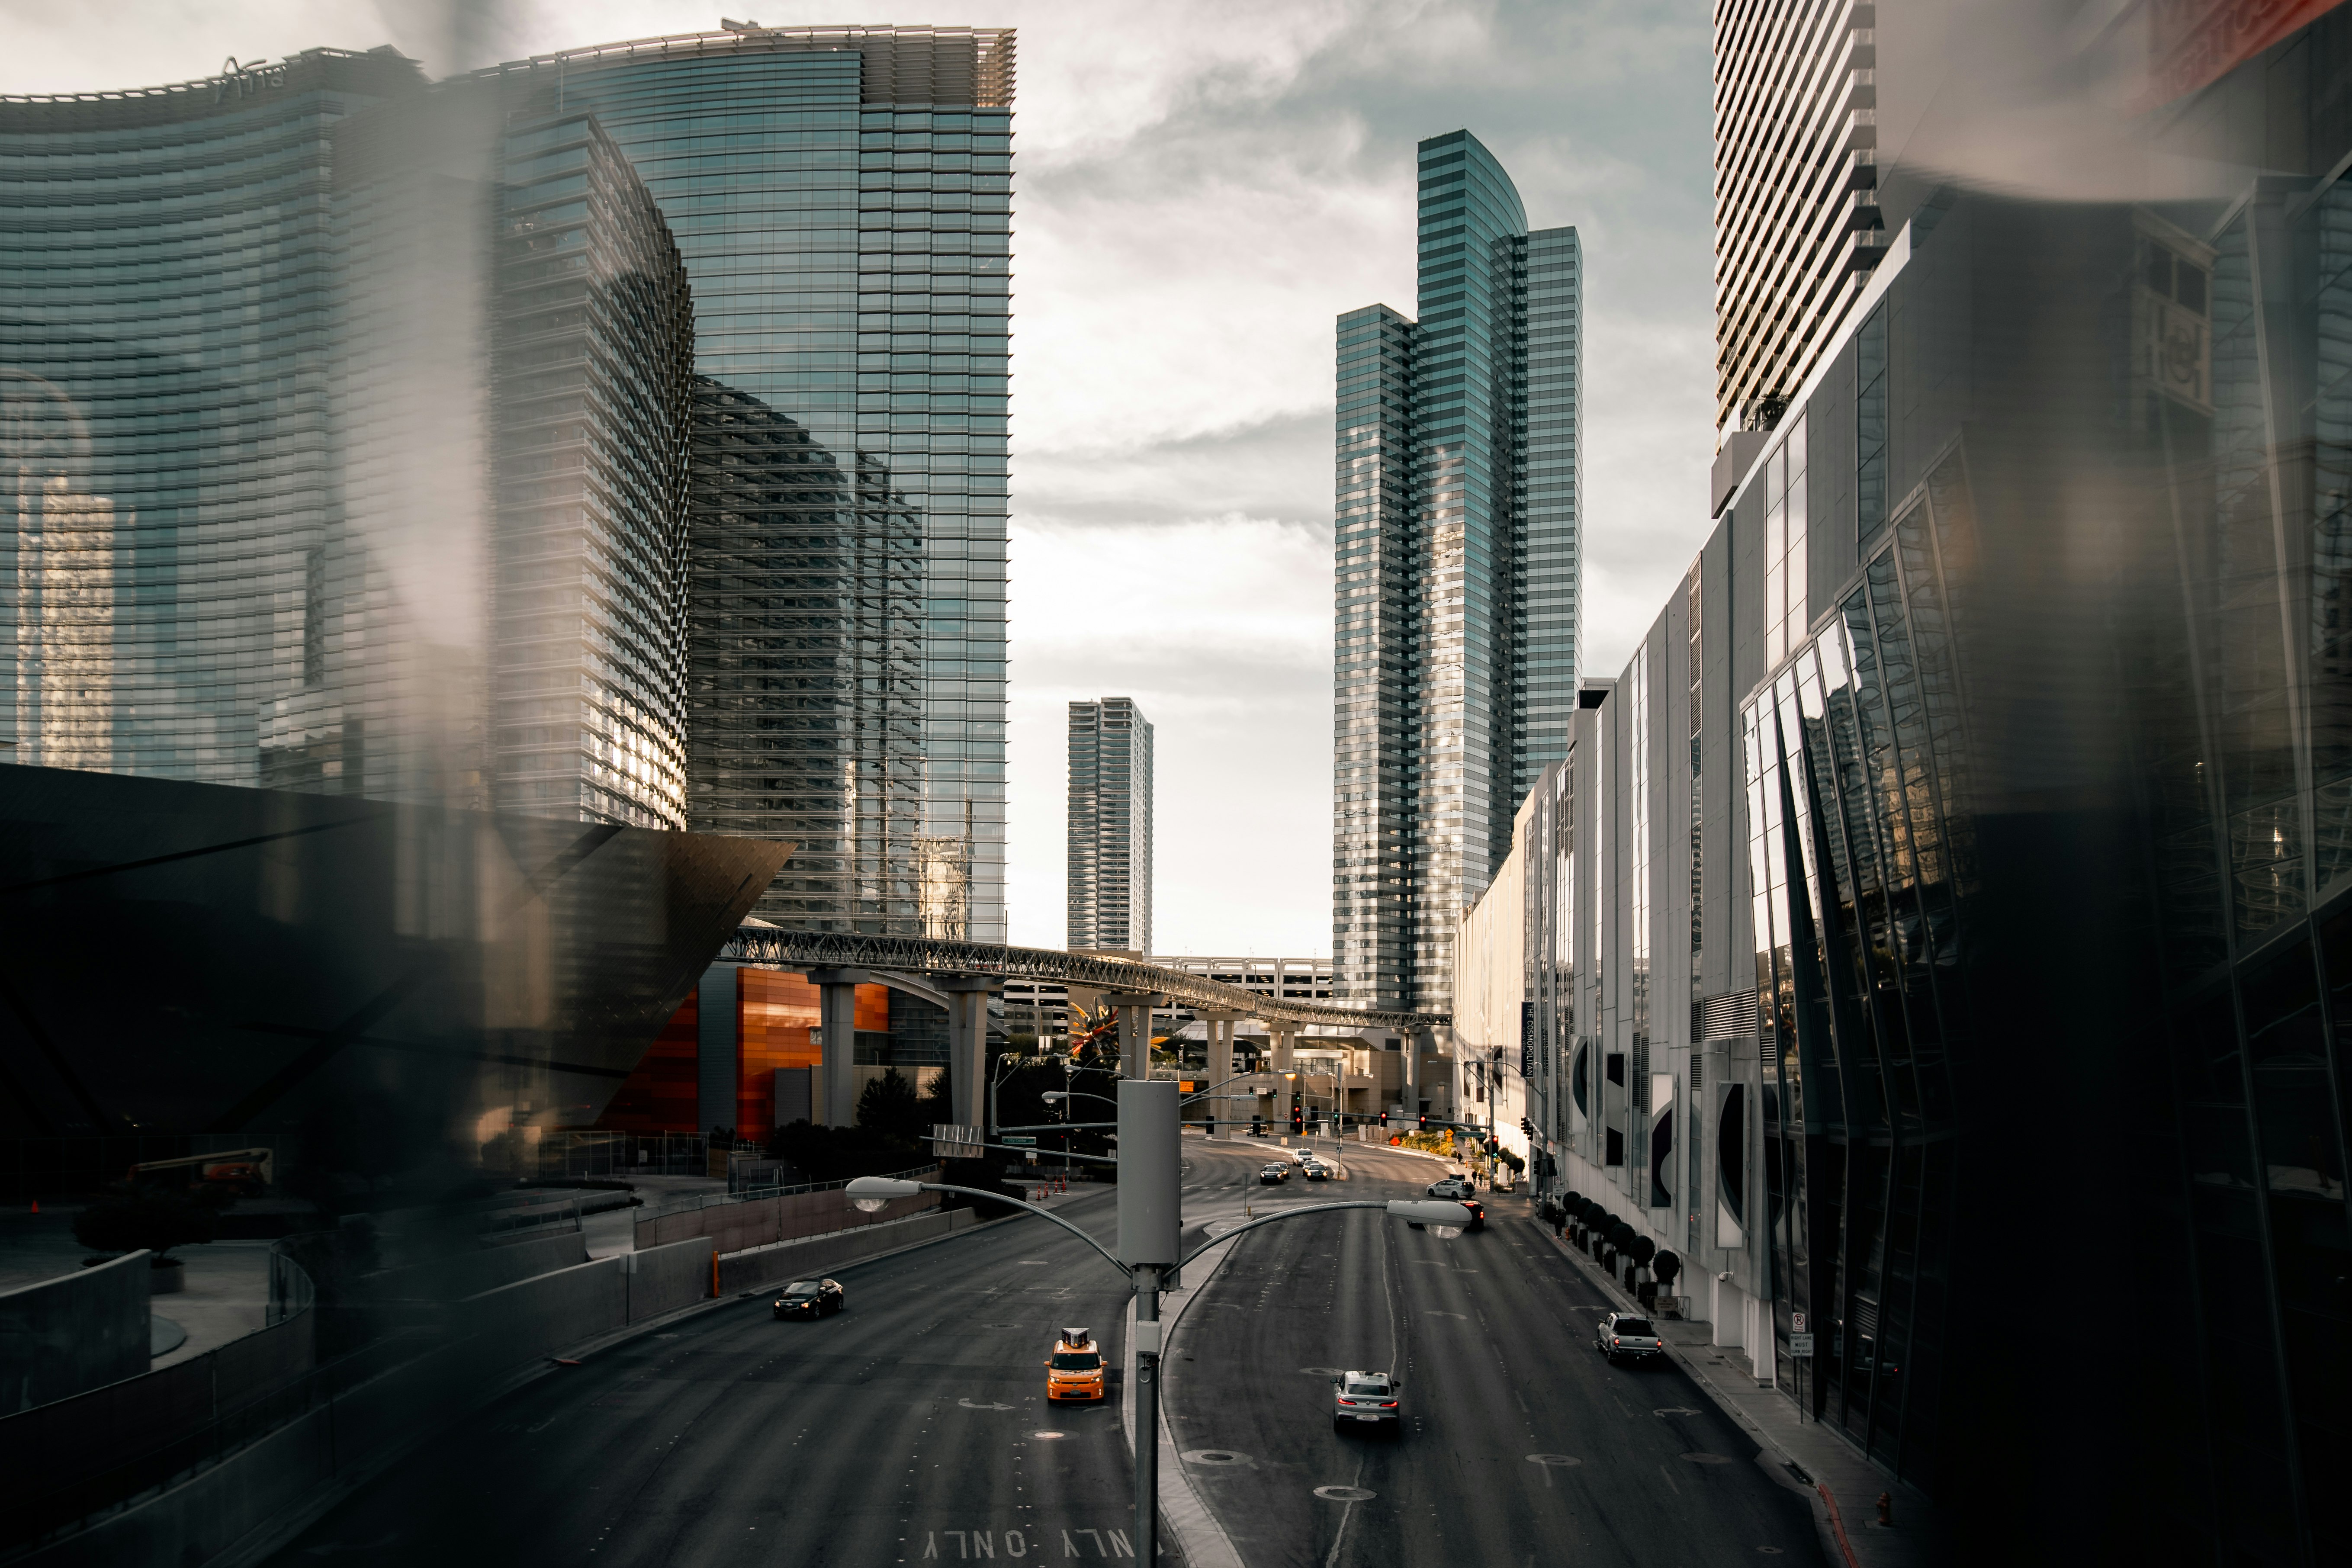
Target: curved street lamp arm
<point x="1033" y="1208"/>
<point x="1286" y="1214"/>
<point x="1215" y="1086"/>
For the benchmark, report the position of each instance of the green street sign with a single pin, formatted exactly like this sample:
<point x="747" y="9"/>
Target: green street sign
<point x="1022" y="1139"/>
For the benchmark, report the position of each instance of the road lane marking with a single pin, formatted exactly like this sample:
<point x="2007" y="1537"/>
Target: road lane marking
<point x="1553" y="1459"/>
<point x="983" y="1545"/>
<point x="1675" y="1410"/>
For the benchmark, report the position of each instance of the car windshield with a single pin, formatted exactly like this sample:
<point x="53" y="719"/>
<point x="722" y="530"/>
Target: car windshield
<point x="1632" y="1326"/>
<point x="802" y="1288"/>
<point x="1077" y="1360"/>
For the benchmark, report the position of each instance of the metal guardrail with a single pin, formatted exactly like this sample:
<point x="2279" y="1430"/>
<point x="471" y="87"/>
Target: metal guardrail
<point x="932" y="955"/>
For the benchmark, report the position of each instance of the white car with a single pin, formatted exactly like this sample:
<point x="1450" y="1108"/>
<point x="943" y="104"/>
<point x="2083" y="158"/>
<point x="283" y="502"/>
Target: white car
<point x="1300" y="1156"/>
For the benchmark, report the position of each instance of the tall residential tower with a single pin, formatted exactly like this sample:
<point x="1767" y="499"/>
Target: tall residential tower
<point x="1456" y="572"/>
<point x="1797" y="226"/>
<point x="1111" y="825"/>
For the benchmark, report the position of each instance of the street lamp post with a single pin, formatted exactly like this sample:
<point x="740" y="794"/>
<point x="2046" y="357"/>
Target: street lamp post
<point x="1151" y="1221"/>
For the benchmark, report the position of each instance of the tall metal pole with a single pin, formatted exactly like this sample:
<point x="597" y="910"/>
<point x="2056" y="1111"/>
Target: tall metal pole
<point x="1149" y="1158"/>
<point x="1146" y="1413"/>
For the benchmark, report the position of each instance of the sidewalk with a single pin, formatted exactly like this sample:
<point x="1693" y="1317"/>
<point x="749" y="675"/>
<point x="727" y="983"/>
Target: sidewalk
<point x="1812" y="1455"/>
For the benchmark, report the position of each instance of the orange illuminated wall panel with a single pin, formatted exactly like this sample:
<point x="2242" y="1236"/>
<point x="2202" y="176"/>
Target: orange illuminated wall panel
<point x="774" y="1012"/>
<point x="660" y="1095"/>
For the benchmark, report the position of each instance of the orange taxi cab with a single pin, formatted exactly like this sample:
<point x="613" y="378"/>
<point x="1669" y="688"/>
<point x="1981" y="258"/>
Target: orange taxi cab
<point x="1076" y="1370"/>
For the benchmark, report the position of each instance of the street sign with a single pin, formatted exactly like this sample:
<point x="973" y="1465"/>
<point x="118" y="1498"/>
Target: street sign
<point x="951" y="1141"/>
<point x="1025" y="1140"/>
<point x="1797" y="1322"/>
<point x="1800" y="1345"/>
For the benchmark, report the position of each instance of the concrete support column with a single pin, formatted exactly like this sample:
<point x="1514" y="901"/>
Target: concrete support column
<point x="1220" y="1064"/>
<point x="968" y="997"/>
<point x="833" y="1096"/>
<point x="1286" y="1088"/>
<point x="717" y="1051"/>
<point x="1414" y="1041"/>
<point x="1134" y="1031"/>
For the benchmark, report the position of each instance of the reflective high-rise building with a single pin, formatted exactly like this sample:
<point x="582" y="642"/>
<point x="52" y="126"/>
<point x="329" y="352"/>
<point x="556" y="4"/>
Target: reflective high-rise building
<point x="842" y="198"/>
<point x="1456" y="570"/>
<point x="1110" y="890"/>
<point x="618" y="435"/>
<point x="167" y="277"/>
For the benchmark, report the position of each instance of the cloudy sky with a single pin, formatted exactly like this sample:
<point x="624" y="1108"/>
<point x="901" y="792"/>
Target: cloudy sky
<point x="1200" y="188"/>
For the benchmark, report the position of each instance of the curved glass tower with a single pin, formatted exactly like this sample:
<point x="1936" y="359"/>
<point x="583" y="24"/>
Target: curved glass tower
<point x="842" y="198"/>
<point x="166" y="282"/>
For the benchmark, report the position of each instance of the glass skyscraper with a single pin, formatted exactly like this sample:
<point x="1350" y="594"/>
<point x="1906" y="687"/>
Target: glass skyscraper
<point x="167" y="275"/>
<point x="842" y="198"/>
<point x="1457" y="572"/>
<point x="619" y="433"/>
<point x="1111" y="825"/>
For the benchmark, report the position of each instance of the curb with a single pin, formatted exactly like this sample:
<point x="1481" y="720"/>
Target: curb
<point x="1200" y="1539"/>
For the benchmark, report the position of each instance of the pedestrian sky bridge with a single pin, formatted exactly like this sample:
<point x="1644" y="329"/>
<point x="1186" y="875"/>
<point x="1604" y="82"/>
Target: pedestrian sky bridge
<point x="810" y="950"/>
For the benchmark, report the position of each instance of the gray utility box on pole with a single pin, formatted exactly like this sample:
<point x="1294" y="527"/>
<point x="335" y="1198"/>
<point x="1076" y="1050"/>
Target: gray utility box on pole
<point x="1149" y="1219"/>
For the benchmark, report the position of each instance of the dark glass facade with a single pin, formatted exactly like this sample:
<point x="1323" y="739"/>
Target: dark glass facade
<point x="1982" y="788"/>
<point x="1457" y="572"/>
<point x="451" y="979"/>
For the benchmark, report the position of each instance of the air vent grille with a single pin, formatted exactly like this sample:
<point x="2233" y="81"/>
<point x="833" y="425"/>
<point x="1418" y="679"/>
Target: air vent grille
<point x="1730" y="1016"/>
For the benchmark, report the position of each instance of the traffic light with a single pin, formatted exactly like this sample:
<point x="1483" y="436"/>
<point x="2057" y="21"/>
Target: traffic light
<point x="1424" y="1121"/>
<point x="1384" y="1119"/>
<point x="1257" y="1127"/>
<point x="1527" y="1129"/>
<point x="1298" y="1119"/>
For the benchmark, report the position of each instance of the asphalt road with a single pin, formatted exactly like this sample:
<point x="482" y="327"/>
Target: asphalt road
<point x="910" y="1427"/>
<point x="913" y="1427"/>
<point x="1522" y="1444"/>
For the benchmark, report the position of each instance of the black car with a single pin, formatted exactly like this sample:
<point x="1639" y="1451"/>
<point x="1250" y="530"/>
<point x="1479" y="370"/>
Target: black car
<point x="810" y="1299"/>
<point x="1273" y="1175"/>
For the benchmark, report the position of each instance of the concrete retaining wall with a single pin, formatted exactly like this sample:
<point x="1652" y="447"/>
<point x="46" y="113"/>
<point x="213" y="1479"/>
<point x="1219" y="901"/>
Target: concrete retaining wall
<point x="669" y="1278"/>
<point x="76" y="1333"/>
<point x="762" y="1221"/>
<point x="462" y="1274"/>
<point x="511" y="1327"/>
<point x="799" y="1259"/>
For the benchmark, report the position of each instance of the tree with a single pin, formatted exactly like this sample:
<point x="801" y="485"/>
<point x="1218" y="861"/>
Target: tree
<point x="938" y="1101"/>
<point x="889" y="1105"/>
